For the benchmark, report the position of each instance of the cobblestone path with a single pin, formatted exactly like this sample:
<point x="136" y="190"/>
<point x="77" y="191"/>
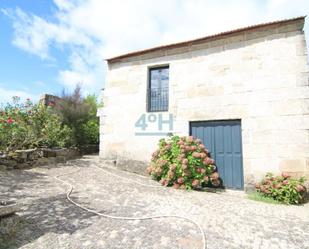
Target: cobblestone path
<point x="229" y="220"/>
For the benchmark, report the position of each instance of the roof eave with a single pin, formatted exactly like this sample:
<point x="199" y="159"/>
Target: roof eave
<point x="205" y="39"/>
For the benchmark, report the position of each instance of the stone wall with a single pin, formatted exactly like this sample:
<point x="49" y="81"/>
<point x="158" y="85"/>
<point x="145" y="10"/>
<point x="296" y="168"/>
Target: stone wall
<point x="259" y="77"/>
<point x="22" y="159"/>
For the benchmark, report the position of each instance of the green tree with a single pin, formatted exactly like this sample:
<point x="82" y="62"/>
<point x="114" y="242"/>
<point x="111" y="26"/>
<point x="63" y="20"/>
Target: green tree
<point x="79" y="114"/>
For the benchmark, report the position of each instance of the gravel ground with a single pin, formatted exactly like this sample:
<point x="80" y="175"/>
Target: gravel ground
<point x="229" y="220"/>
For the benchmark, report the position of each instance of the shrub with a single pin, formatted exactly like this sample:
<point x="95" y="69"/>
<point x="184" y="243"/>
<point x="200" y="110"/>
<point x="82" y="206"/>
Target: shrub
<point x="90" y="131"/>
<point x="79" y="114"/>
<point x="183" y="162"/>
<point x="282" y="188"/>
<point x="27" y="125"/>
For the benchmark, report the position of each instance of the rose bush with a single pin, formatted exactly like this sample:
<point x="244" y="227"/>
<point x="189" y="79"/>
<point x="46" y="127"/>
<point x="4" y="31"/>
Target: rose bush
<point x="282" y="188"/>
<point x="27" y="125"/>
<point x="183" y="162"/>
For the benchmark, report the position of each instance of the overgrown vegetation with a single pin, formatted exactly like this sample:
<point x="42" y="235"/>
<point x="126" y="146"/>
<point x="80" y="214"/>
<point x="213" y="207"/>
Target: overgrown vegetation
<point x="71" y="121"/>
<point x="284" y="188"/>
<point x="27" y="125"/>
<point x="183" y="162"/>
<point x="79" y="114"/>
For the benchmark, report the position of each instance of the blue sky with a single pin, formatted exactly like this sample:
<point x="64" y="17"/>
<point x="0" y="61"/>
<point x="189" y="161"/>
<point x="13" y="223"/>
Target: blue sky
<point x="48" y="45"/>
<point x="22" y="73"/>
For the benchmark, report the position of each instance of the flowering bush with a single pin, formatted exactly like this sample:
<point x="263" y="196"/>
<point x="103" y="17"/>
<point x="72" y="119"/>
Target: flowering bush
<point x="183" y="162"/>
<point x="26" y="125"/>
<point x="282" y="188"/>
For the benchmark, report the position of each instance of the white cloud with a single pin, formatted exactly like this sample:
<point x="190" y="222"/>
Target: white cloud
<point x="6" y="95"/>
<point x="96" y="29"/>
<point x="35" y="35"/>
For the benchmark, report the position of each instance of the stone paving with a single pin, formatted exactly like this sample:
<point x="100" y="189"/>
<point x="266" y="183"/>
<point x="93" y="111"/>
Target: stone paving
<point x="228" y="219"/>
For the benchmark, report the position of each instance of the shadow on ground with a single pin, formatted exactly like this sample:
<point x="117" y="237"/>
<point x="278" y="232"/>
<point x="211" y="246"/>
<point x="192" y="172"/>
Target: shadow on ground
<point x="47" y="215"/>
<point x="45" y="210"/>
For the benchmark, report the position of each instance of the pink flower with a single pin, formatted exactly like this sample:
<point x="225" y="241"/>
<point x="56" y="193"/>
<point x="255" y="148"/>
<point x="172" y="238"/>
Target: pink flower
<point x="203" y="155"/>
<point x="285" y="182"/>
<point x="180" y="142"/>
<point x="262" y="188"/>
<point x="10" y="120"/>
<point x="176" y="185"/>
<point x="196" y="155"/>
<point x="190" y="139"/>
<point x="206" y="178"/>
<point x="193" y="148"/>
<point x="208" y="161"/>
<point x="195" y="183"/>
<point x="164" y="182"/>
<point x="158" y="171"/>
<point x="185" y="161"/>
<point x="180" y="180"/>
<point x="149" y="170"/>
<point x="285" y="175"/>
<point x="168" y="147"/>
<point x="188" y="148"/>
<point x="170" y="174"/>
<point x="155" y="154"/>
<point x="184" y="166"/>
<point x="173" y="166"/>
<point x="201" y="170"/>
<point x="300" y="188"/>
<point x="201" y="146"/>
<point x="277" y="186"/>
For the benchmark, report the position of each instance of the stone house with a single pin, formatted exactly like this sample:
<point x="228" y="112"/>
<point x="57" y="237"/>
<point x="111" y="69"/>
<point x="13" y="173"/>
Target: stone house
<point x="244" y="92"/>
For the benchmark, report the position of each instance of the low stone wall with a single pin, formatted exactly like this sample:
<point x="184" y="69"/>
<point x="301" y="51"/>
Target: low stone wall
<point x="21" y="159"/>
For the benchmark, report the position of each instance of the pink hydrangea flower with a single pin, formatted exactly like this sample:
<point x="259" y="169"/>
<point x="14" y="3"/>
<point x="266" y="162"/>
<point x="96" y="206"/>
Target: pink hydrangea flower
<point x="206" y="178"/>
<point x="185" y="161"/>
<point x="180" y="180"/>
<point x="196" y="155"/>
<point x="285" y="175"/>
<point x="195" y="183"/>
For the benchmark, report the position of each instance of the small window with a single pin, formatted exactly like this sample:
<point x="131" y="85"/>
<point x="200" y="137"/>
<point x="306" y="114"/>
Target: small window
<point x="158" y="89"/>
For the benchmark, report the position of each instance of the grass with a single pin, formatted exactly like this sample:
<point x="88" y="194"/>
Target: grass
<point x="255" y="196"/>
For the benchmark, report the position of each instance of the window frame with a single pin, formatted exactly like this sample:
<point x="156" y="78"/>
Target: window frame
<point x="149" y="69"/>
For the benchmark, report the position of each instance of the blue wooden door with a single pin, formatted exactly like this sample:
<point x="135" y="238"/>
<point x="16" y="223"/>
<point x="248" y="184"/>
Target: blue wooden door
<point x="223" y="140"/>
